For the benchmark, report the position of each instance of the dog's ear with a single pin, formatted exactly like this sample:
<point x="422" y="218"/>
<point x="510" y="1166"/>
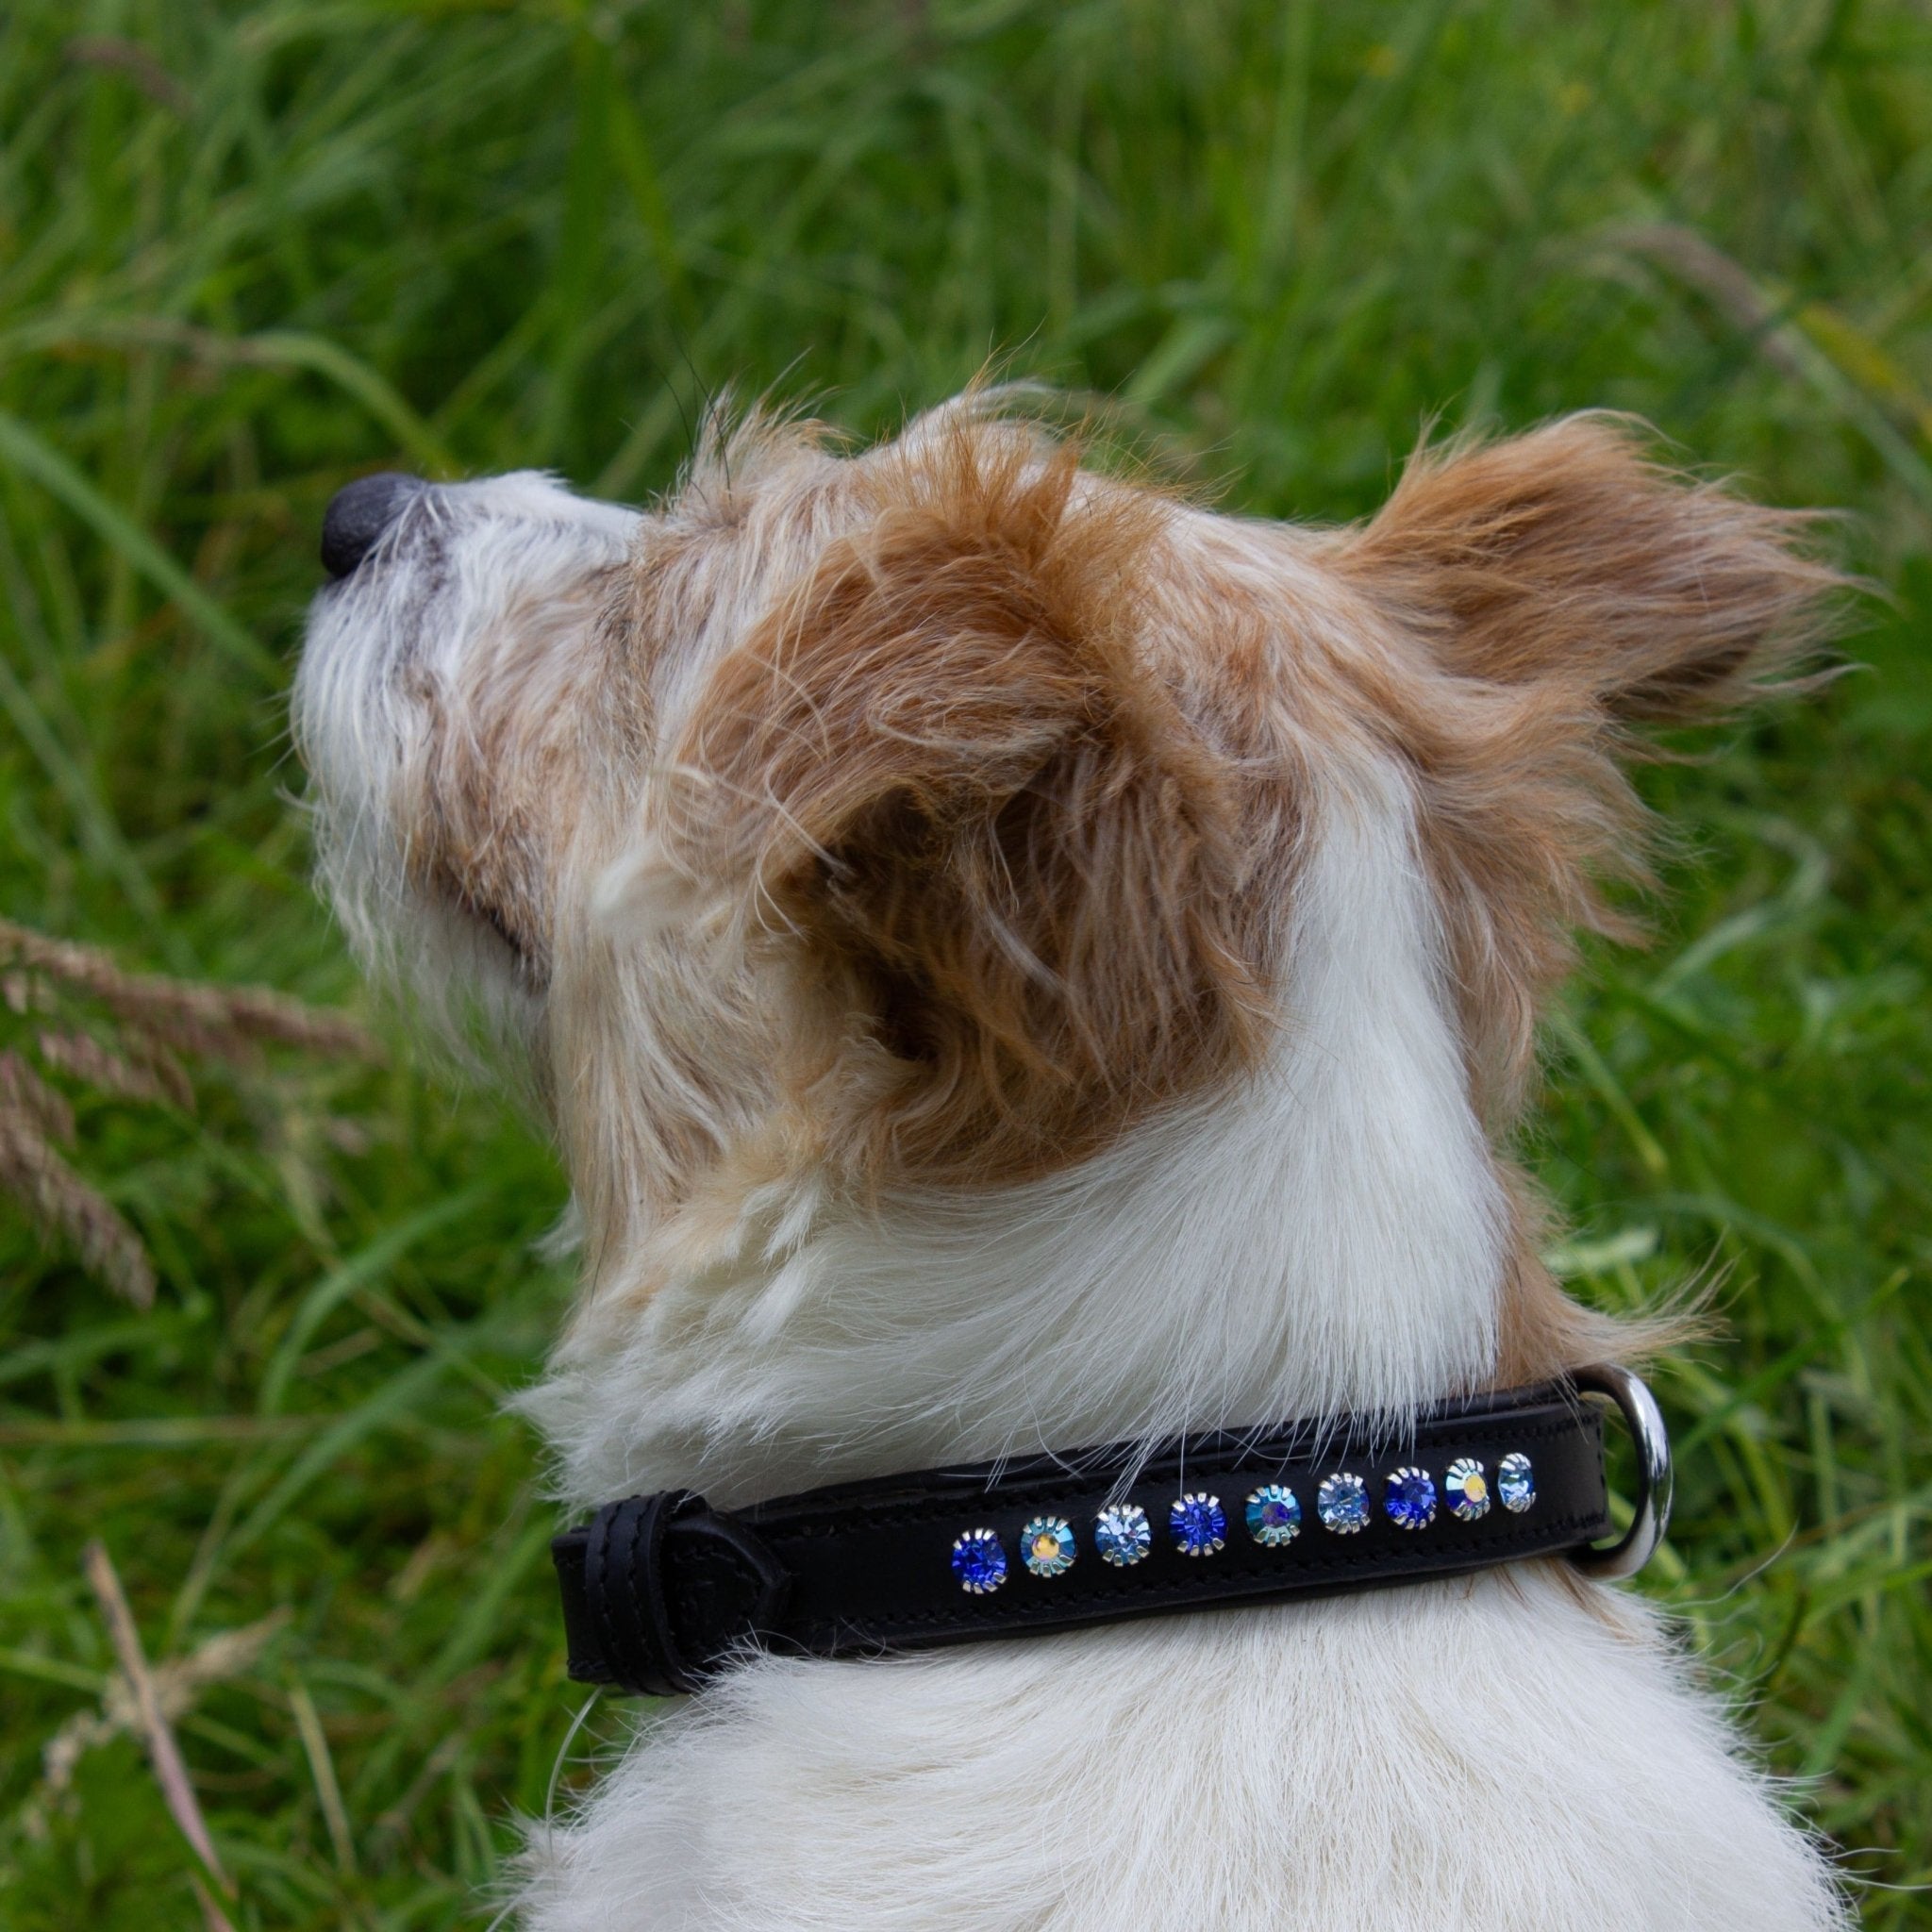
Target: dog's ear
<point x="1563" y="591"/>
<point x="993" y="850"/>
<point x="1564" y="558"/>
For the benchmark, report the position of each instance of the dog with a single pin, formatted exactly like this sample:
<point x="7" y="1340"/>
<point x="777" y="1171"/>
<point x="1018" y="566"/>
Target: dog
<point x="1014" y="958"/>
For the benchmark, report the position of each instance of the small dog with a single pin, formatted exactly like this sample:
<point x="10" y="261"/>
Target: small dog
<point x="1014" y="959"/>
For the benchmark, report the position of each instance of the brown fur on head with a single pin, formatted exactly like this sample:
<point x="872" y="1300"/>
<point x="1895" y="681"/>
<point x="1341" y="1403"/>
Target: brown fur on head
<point x="952" y="783"/>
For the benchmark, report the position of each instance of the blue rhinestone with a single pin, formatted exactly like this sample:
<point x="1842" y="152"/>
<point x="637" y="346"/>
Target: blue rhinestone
<point x="979" y="1562"/>
<point x="1409" y="1498"/>
<point x="1046" y="1546"/>
<point x="1466" y="1488"/>
<point x="1121" y="1536"/>
<point x="1198" y="1524"/>
<point x="1273" y="1515"/>
<point x="1516" y="1482"/>
<point x="1343" y="1503"/>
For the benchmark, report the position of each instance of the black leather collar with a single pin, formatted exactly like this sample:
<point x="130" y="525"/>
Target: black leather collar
<point x="660" y="1592"/>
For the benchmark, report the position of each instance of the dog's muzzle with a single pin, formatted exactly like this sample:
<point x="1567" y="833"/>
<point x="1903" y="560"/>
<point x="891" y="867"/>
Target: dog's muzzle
<point x="660" y="1592"/>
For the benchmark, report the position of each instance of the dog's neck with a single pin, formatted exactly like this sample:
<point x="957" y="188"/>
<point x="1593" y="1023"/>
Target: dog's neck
<point x="1332" y="1238"/>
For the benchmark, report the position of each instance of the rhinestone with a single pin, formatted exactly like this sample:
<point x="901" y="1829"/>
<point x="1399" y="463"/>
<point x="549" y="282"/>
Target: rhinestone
<point x="1409" y="1499"/>
<point x="1121" y="1536"/>
<point x="1468" y="1489"/>
<point x="1046" y="1546"/>
<point x="1343" y="1503"/>
<point x="1198" y="1524"/>
<point x="979" y="1562"/>
<point x="1273" y="1515"/>
<point x="1516" y="1482"/>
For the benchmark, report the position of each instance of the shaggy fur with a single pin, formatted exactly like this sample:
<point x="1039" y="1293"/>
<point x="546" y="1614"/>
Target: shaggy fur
<point x="1014" y="959"/>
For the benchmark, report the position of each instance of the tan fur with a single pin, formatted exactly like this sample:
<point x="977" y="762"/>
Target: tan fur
<point x="948" y="779"/>
<point x="1564" y="559"/>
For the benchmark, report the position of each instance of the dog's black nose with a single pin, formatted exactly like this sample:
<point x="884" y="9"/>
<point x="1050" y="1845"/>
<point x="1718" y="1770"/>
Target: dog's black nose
<point x="359" y="514"/>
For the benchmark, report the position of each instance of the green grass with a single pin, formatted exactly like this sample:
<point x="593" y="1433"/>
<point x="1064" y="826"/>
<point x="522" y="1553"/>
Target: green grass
<point x="246" y="253"/>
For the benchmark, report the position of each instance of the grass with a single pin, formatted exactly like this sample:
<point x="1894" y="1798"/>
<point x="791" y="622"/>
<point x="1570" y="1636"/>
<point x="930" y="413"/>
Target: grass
<point x="248" y="253"/>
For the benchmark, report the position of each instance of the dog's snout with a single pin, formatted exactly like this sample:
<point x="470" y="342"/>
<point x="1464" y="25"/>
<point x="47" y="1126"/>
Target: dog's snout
<point x="359" y="514"/>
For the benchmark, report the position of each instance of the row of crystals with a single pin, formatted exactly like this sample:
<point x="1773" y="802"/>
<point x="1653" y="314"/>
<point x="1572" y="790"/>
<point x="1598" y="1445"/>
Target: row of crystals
<point x="1198" y="1524"/>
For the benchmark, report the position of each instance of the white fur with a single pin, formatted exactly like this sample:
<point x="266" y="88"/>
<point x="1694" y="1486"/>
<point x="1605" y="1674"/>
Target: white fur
<point x="1476" y="1756"/>
<point x="1330" y="1239"/>
<point x="1514" y="1751"/>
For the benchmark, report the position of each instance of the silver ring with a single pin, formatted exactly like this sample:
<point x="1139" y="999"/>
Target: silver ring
<point x="1607" y="1562"/>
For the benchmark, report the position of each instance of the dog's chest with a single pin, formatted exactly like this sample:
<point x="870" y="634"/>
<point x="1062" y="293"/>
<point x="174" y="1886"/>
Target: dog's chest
<point x="1458" y="1757"/>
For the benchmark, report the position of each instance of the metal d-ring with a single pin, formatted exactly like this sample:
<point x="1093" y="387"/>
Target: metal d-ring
<point x="1607" y="1562"/>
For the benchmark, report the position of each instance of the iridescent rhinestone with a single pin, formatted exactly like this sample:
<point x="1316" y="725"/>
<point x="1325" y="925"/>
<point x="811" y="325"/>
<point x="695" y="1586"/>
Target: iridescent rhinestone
<point x="1466" y="1488"/>
<point x="1408" y="1497"/>
<point x="1273" y="1515"/>
<point x="979" y="1562"/>
<point x="1121" y="1536"/>
<point x="1343" y="1502"/>
<point x="1046" y="1546"/>
<point x="1198" y="1524"/>
<point x="1516" y="1482"/>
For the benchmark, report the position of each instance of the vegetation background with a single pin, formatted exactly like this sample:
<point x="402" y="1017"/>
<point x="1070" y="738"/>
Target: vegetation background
<point x="248" y="252"/>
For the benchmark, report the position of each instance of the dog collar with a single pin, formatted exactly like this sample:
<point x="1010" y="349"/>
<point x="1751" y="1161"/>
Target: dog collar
<point x="663" y="1591"/>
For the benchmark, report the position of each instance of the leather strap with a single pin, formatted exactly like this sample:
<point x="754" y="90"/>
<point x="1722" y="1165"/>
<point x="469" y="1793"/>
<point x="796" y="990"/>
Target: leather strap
<point x="660" y="1592"/>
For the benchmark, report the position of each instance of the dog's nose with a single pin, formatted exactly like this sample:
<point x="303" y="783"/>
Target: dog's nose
<point x="359" y="514"/>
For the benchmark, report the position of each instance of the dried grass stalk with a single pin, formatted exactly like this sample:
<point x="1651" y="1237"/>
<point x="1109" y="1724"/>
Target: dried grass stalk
<point x="1726" y="285"/>
<point x="177" y="1684"/>
<point x="60" y="1202"/>
<point x="24" y="1093"/>
<point x="157" y="1733"/>
<point x="141" y="1072"/>
<point x="152" y="1025"/>
<point x="214" y="1022"/>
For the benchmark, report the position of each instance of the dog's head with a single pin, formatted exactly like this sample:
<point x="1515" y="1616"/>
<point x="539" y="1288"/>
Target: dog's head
<point x="937" y="814"/>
